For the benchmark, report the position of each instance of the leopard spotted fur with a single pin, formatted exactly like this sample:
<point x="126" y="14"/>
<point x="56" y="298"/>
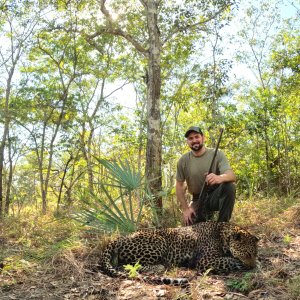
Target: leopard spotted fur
<point x="220" y="247"/>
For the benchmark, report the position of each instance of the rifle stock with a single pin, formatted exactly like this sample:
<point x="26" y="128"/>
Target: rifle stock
<point x="203" y="194"/>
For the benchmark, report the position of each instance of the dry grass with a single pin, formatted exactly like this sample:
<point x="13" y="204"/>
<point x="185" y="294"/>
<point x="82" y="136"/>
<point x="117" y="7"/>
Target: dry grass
<point x="45" y="258"/>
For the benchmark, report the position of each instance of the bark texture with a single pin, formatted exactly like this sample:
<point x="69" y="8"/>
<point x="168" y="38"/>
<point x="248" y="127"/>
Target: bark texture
<point x="154" y="141"/>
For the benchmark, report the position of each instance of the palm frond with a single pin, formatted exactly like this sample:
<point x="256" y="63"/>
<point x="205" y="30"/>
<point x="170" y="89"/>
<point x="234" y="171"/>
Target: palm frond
<point x="122" y="173"/>
<point x="109" y="212"/>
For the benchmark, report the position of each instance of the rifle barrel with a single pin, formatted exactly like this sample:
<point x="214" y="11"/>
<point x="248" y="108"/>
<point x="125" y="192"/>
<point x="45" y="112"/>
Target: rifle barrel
<point x="211" y="164"/>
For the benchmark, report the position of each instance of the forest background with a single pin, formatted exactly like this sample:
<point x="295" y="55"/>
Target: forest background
<point x="95" y="98"/>
<point x="117" y="80"/>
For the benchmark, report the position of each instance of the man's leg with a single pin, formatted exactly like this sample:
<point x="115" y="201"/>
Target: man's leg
<point x="199" y="208"/>
<point x="222" y="199"/>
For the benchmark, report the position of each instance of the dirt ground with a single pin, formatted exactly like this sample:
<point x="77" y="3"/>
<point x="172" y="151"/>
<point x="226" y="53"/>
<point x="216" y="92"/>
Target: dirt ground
<point x="68" y="275"/>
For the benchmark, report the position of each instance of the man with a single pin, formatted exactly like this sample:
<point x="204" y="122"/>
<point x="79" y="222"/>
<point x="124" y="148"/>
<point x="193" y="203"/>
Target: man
<point x="192" y="169"/>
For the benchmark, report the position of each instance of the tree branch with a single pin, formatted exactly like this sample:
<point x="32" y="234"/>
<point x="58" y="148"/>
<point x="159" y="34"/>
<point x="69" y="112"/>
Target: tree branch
<point x="191" y="26"/>
<point x="144" y="3"/>
<point x="114" y="29"/>
<point x="117" y="32"/>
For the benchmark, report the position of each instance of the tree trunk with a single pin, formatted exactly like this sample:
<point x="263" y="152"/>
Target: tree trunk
<point x="154" y="142"/>
<point x="63" y="182"/>
<point x="2" y="146"/>
<point x="5" y="134"/>
<point x="9" y="180"/>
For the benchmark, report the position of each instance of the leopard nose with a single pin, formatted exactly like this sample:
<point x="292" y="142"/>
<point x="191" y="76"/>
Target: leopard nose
<point x="250" y="260"/>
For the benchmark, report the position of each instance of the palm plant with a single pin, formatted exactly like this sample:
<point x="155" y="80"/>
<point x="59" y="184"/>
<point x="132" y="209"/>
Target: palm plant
<point x="120" y="206"/>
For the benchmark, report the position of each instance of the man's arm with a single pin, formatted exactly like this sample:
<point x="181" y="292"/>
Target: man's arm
<point x="180" y="193"/>
<point x="227" y="176"/>
<point x="188" y="212"/>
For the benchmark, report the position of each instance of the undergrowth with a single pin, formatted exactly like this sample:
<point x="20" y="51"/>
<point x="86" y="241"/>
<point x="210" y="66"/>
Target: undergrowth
<point x="259" y="209"/>
<point x="242" y="284"/>
<point x="33" y="239"/>
<point x="65" y="247"/>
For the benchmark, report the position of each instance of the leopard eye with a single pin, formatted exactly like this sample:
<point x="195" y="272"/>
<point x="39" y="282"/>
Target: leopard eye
<point x="237" y="236"/>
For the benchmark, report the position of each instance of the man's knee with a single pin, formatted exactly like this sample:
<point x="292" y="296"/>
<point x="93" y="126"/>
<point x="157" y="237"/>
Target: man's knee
<point x="227" y="203"/>
<point x="228" y="188"/>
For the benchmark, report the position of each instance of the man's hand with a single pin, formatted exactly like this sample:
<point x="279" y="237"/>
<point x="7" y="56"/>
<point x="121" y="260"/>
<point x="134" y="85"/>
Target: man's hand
<point x="227" y="176"/>
<point x="212" y="179"/>
<point x="188" y="215"/>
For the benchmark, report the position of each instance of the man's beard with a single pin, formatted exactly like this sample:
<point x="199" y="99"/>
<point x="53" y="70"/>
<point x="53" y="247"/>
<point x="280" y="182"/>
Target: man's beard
<point x="197" y="147"/>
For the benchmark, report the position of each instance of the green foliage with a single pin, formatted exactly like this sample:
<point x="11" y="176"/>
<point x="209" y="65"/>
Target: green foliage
<point x="122" y="212"/>
<point x="287" y="239"/>
<point x="243" y="284"/>
<point x="133" y="270"/>
<point x="122" y="174"/>
<point x="62" y="102"/>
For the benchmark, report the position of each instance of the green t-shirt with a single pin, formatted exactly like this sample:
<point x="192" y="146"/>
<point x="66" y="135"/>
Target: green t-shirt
<point x="191" y="168"/>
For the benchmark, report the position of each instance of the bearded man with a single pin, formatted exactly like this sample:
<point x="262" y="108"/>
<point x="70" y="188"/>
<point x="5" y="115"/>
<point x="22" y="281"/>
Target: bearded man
<point x="192" y="169"/>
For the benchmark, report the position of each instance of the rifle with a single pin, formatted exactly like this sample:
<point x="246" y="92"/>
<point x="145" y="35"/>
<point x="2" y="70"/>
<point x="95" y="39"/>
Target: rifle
<point x="201" y="202"/>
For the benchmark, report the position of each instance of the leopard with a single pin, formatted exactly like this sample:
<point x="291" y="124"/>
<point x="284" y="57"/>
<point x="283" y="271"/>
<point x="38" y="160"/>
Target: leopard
<point x="216" y="247"/>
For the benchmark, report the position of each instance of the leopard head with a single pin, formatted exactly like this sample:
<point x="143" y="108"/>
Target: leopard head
<point x="243" y="246"/>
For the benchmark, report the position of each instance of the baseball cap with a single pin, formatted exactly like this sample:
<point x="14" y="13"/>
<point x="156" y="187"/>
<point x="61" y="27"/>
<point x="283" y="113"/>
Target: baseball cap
<point x="193" y="129"/>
